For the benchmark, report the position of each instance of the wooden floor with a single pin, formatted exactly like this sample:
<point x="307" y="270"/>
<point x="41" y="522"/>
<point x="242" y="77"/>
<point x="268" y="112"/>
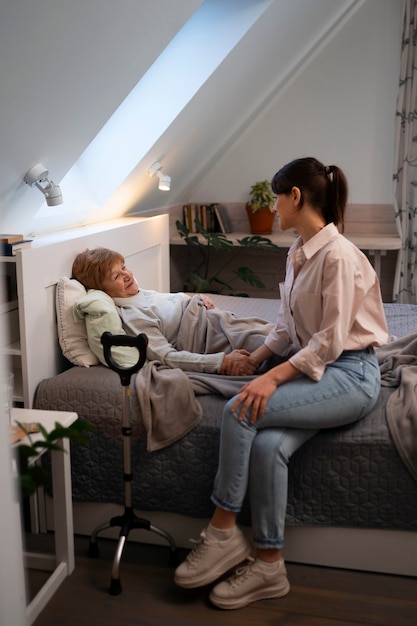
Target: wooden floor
<point x="318" y="597"/>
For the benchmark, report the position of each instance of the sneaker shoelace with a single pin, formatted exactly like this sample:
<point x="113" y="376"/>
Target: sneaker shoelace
<point x="200" y="548"/>
<point x="242" y="573"/>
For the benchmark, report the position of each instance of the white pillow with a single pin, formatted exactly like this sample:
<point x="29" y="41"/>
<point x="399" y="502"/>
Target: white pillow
<point x="72" y="334"/>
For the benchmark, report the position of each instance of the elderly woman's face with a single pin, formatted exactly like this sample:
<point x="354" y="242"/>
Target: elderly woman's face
<point x="119" y="282"/>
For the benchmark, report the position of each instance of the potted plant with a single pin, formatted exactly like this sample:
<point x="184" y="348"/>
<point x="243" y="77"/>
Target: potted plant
<point x="205" y="277"/>
<point x="260" y="208"/>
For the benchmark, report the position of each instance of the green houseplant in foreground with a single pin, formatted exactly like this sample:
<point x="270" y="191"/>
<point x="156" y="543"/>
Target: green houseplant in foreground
<point x="202" y="279"/>
<point x="31" y="475"/>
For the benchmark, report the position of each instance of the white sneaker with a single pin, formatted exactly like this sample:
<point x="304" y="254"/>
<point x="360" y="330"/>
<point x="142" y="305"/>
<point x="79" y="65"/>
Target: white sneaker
<point x="211" y="558"/>
<point x="250" y="583"/>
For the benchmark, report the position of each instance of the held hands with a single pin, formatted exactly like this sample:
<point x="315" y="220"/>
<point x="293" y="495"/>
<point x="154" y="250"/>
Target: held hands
<point x="238" y="363"/>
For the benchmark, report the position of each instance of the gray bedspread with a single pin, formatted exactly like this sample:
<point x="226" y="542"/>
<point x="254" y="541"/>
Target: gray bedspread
<point x="351" y="476"/>
<point x="398" y="364"/>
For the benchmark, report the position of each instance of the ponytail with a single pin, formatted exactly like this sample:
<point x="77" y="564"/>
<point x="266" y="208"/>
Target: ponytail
<point x="337" y="192"/>
<point x="324" y="186"/>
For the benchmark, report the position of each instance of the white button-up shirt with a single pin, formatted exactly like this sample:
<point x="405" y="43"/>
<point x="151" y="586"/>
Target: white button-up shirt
<point x="330" y="302"/>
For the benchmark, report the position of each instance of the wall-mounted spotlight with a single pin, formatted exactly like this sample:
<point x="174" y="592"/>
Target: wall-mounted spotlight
<point x="164" y="181"/>
<point x="39" y="174"/>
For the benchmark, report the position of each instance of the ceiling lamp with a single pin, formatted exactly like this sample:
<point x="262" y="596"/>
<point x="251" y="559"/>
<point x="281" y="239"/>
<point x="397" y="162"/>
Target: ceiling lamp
<point x="39" y="174"/>
<point x="164" y="181"/>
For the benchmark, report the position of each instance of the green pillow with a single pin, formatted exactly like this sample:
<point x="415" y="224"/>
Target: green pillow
<point x="99" y="312"/>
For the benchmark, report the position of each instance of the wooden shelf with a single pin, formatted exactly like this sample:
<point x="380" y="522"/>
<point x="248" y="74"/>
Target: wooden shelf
<point x="12" y="349"/>
<point x="286" y="239"/>
<point x="375" y="242"/>
<point x="11" y="305"/>
<point x="374" y="245"/>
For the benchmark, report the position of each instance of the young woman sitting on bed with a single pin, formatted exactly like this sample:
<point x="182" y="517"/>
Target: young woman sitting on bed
<point x="330" y="319"/>
<point x="161" y="316"/>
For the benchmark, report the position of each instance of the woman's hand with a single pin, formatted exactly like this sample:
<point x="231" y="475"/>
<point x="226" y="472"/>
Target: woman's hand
<point x="255" y="394"/>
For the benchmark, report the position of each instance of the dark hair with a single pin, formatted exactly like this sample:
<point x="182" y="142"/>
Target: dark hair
<point x="91" y="266"/>
<point x="324" y="186"/>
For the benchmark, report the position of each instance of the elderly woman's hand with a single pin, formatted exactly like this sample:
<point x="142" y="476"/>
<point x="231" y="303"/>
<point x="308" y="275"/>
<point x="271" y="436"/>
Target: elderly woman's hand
<point x="239" y="363"/>
<point x="207" y="302"/>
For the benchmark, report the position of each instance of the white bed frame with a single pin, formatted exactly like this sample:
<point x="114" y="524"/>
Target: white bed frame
<point x="145" y="244"/>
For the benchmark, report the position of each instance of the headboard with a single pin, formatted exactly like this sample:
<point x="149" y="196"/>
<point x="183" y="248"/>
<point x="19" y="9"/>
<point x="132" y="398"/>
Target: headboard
<point x="144" y="242"/>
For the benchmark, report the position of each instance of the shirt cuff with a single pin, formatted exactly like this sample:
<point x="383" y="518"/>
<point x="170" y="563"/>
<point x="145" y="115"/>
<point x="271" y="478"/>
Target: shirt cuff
<point x="308" y="363"/>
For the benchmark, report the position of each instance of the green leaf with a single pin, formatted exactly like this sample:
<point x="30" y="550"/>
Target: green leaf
<point x="248" y="276"/>
<point x="31" y="475"/>
<point x="181" y="228"/>
<point x="259" y="242"/>
<point x="76" y="431"/>
<point x="221" y="242"/>
<point x="201" y="284"/>
<point x="35" y="477"/>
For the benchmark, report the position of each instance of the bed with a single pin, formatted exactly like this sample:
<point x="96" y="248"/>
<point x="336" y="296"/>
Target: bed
<point x="352" y="501"/>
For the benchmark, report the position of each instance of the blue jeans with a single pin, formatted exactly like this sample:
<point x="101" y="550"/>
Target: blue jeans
<point x="254" y="457"/>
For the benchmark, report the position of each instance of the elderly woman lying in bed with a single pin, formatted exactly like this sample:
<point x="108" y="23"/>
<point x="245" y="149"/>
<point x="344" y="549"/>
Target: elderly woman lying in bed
<point x="183" y="331"/>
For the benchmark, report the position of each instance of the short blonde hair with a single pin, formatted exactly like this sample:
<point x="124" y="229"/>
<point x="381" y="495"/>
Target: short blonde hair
<point x="91" y="266"/>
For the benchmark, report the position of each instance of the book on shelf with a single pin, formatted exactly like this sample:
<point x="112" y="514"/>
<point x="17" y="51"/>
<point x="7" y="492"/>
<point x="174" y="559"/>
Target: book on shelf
<point x="11" y="238"/>
<point x="10" y="249"/>
<point x="222" y="218"/>
<point x="212" y="224"/>
<point x="213" y="217"/>
<point x="188" y="213"/>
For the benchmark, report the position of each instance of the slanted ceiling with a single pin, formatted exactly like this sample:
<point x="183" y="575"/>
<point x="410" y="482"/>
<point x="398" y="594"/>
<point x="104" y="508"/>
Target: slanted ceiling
<point x="67" y="67"/>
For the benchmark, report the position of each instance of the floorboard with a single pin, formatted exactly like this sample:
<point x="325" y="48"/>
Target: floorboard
<point x="319" y="596"/>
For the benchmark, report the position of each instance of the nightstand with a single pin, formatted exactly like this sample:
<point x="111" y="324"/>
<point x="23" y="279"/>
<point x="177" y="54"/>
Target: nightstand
<point x="62" y="563"/>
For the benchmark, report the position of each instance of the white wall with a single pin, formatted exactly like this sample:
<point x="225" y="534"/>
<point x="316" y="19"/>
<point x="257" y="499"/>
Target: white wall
<point x="339" y="106"/>
<point x="309" y="76"/>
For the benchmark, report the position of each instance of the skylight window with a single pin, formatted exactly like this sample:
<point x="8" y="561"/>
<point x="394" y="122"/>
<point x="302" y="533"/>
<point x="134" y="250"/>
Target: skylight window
<point x="166" y="88"/>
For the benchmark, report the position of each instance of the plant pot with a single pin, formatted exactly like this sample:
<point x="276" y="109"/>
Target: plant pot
<point x="260" y="222"/>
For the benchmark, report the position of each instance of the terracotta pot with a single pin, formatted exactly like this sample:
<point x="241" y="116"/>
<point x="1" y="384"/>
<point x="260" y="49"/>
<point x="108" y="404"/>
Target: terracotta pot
<point x="261" y="222"/>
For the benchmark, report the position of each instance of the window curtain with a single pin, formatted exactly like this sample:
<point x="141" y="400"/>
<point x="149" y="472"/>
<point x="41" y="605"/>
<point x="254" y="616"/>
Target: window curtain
<point x="405" y="160"/>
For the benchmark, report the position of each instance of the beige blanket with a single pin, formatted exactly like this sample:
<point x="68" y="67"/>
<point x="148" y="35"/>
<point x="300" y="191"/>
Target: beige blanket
<point x="168" y="405"/>
<point x="207" y="331"/>
<point x="398" y="364"/>
<point x="166" y="395"/>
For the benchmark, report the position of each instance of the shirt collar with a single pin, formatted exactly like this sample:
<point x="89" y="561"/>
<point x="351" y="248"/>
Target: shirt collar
<point x="319" y="240"/>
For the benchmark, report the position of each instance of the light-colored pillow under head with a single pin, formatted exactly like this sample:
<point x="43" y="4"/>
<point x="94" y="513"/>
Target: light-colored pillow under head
<point x="101" y="315"/>
<point x="72" y="334"/>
